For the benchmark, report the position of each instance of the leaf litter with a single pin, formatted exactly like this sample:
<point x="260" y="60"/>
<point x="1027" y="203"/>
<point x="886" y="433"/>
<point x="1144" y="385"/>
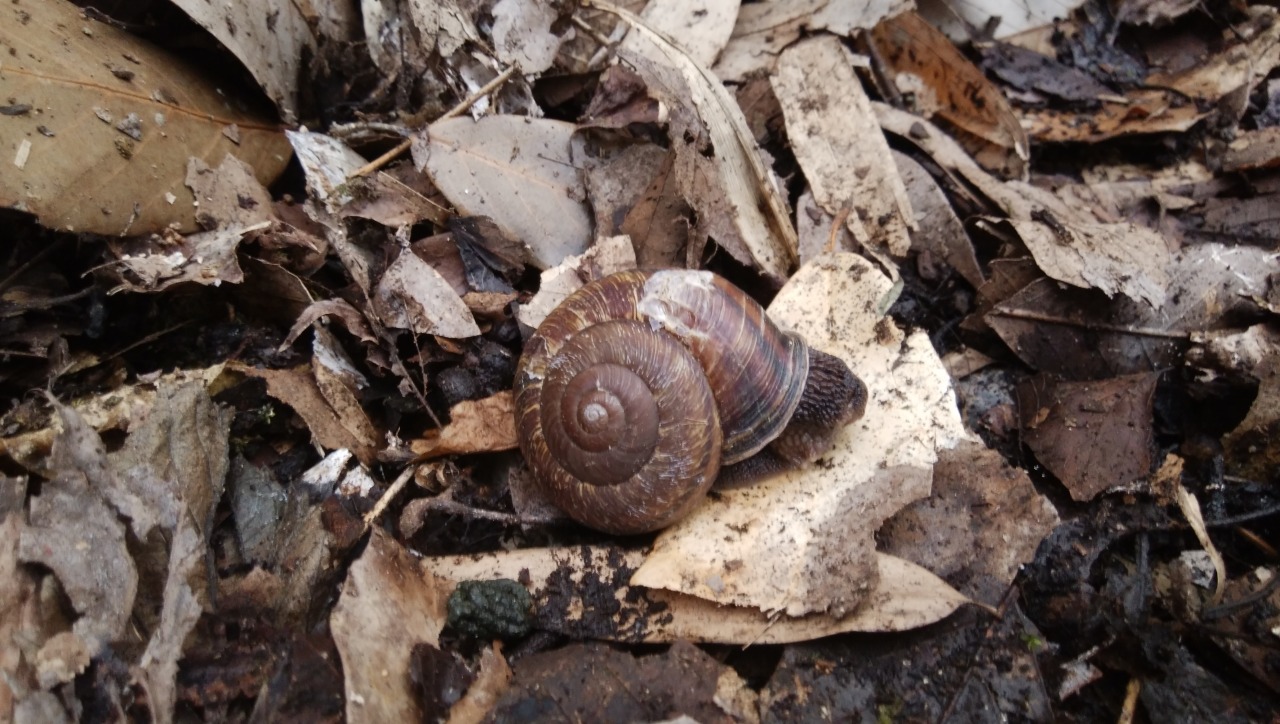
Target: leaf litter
<point x="1105" y="328"/>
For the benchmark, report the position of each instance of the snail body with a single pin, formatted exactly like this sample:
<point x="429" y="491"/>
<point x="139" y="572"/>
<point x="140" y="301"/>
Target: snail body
<point x="635" y="393"/>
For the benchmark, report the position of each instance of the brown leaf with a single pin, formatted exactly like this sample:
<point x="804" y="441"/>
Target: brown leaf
<point x="983" y="521"/>
<point x="124" y="181"/>
<point x="944" y="83"/>
<point x="389" y="603"/>
<point x="486" y="425"/>
<point x="298" y="389"/>
<point x="592" y="682"/>
<point x="411" y="295"/>
<point x="1093" y="436"/>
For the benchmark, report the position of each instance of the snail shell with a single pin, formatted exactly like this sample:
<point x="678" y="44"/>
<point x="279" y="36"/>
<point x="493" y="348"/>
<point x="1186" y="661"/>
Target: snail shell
<point x="635" y="391"/>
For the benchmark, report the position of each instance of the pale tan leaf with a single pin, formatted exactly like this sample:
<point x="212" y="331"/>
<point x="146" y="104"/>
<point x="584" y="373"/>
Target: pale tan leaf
<point x="908" y="598"/>
<point x="518" y="172"/>
<point x="387" y="607"/>
<point x="269" y="37"/>
<point x="701" y="28"/>
<point x="112" y="123"/>
<point x="803" y="541"/>
<point x="838" y="142"/>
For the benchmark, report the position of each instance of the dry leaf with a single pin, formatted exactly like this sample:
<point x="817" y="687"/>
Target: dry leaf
<point x="113" y="410"/>
<point x="1094" y="436"/>
<point x="523" y="34"/>
<point x="765" y="28"/>
<point x="271" y="39"/>
<point x="126" y="180"/>
<point x="567" y="585"/>
<point x="179" y="614"/>
<point x="838" y="143"/>
<point x="518" y="172"/>
<point x="297" y="388"/>
<point x="412" y="295"/>
<point x="942" y="82"/>
<point x="980" y="526"/>
<point x="75" y="534"/>
<point x="735" y="193"/>
<point x="486" y="425"/>
<point x="802" y="541"/>
<point x="1114" y="258"/>
<point x="701" y="28"/>
<point x="387" y="606"/>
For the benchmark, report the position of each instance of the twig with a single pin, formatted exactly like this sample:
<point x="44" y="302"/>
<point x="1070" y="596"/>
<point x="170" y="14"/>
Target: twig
<point x="457" y="110"/>
<point x="372" y="516"/>
<point x="1090" y="326"/>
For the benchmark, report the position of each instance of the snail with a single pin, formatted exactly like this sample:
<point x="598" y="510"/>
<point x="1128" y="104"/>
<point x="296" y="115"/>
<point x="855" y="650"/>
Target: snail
<point x="642" y="389"/>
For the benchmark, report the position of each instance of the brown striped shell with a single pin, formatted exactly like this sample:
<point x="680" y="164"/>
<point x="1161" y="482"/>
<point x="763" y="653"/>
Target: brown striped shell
<point x="635" y="391"/>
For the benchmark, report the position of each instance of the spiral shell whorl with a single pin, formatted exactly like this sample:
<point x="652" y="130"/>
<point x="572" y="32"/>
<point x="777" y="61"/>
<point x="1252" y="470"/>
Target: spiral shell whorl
<point x="617" y="422"/>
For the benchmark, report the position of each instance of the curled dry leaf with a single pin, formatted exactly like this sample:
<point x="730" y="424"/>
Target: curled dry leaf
<point x="517" y="171"/>
<point x="486" y="425"/>
<point x="735" y="193"/>
<point x="802" y="542"/>
<point x="839" y="145"/>
<point x="119" y="132"/>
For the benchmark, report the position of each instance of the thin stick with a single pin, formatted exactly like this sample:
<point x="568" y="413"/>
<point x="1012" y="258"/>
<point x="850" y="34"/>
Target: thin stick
<point x="372" y="516"/>
<point x="1091" y="326"/>
<point x="457" y="110"/>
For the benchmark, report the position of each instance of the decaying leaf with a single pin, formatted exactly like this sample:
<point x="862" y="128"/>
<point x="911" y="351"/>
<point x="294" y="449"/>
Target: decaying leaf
<point x="700" y="28"/>
<point x="1093" y="436"/>
<point x="736" y="195"/>
<point x="583" y="592"/>
<point x="942" y="82"/>
<point x="839" y="145"/>
<point x="271" y="39"/>
<point x="299" y="389"/>
<point x="983" y="521"/>
<point x="475" y="426"/>
<point x="387" y="606"/>
<point x="1114" y="258"/>
<point x="117" y="120"/>
<point x="593" y="682"/>
<point x="764" y="29"/>
<point x="77" y="536"/>
<point x="802" y="542"/>
<point x="412" y="295"/>
<point x="518" y="172"/>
